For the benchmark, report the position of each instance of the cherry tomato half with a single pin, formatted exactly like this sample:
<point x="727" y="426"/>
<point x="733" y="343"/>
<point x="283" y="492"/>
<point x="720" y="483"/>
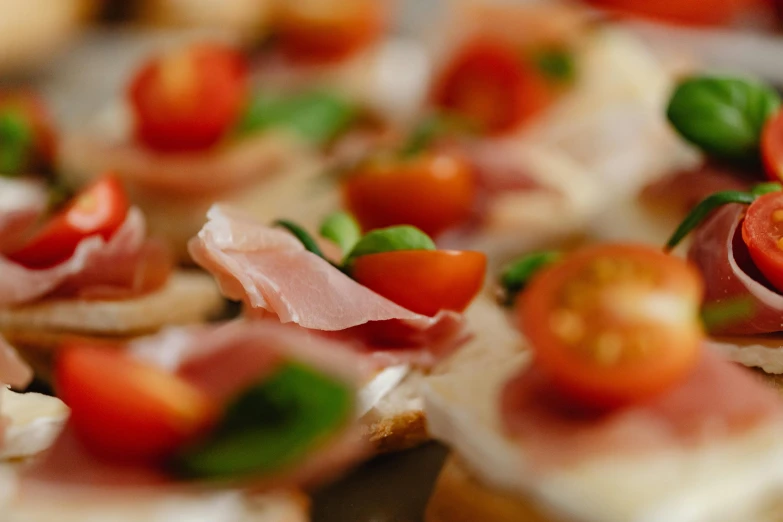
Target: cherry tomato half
<point x="433" y="192"/>
<point x="125" y="409"/>
<point x="614" y="324"/>
<point x="99" y="210"/>
<point x="32" y="109"/>
<point x="327" y="30"/>
<point x="762" y="232"/>
<point x="188" y="99"/>
<point x="492" y="84"/>
<point x="424" y="281"/>
<point x="690" y="12"/>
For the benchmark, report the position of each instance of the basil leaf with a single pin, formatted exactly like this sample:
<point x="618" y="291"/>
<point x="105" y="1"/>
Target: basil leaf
<point x="342" y="229"/>
<point x="766" y="188"/>
<point x="271" y="426"/>
<point x="389" y="240"/>
<point x="721" y="314"/>
<point x="16" y="142"/>
<point x="518" y="273"/>
<point x="433" y="127"/>
<point x="302" y="235"/>
<point x="704" y="209"/>
<point x="317" y="116"/>
<point x="723" y="116"/>
<point x="556" y="64"/>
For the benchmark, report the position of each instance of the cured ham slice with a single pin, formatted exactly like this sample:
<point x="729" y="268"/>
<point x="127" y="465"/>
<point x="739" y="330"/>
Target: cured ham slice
<point x="717" y="401"/>
<point x="120" y="262"/>
<point x="22" y="202"/>
<point x="729" y="273"/>
<point x="13" y="370"/>
<point x="271" y="271"/>
<point x="221" y="360"/>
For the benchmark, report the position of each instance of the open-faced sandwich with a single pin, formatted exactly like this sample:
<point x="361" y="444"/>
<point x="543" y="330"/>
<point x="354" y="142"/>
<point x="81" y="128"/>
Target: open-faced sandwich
<point x="90" y="269"/>
<point x="618" y="413"/>
<point x="220" y="423"/>
<point x="390" y="293"/>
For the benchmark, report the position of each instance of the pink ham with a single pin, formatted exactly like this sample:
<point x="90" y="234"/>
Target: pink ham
<point x="119" y="263"/>
<point x="718" y="400"/>
<point x="222" y="360"/>
<point x="273" y="274"/>
<point x="729" y="274"/>
<point x="22" y="203"/>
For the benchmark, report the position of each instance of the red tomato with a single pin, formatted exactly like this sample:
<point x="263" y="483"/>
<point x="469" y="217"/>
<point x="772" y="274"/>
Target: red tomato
<point x="98" y="210"/>
<point x="689" y="12"/>
<point x="433" y="192"/>
<point x="614" y="324"/>
<point x="33" y="109"/>
<point x="327" y="30"/>
<point x="188" y="99"/>
<point x="772" y="147"/>
<point x="762" y="231"/>
<point x="424" y="281"/>
<point x="493" y="85"/>
<point x="125" y="409"/>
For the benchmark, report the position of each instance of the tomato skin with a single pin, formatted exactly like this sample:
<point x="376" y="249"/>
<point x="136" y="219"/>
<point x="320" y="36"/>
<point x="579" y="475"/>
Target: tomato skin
<point x="691" y="12"/>
<point x="424" y="281"/>
<point x="493" y="85"/>
<point x="187" y="100"/>
<point x="316" y="31"/>
<point x="597" y="332"/>
<point x="762" y="232"/>
<point x="99" y="210"/>
<point x="127" y="410"/>
<point x="33" y="108"/>
<point x="433" y="192"/>
<point x="772" y="147"/>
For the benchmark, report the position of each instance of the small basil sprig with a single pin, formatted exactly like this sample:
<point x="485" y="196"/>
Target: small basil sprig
<point x="723" y="116"/>
<point x="720" y="314"/>
<point x="302" y="235"/>
<point x="556" y="64"/>
<point x="433" y="127"/>
<point x="712" y="202"/>
<point x="518" y="273"/>
<point x="16" y="143"/>
<point x="388" y="240"/>
<point x="341" y="228"/>
<point x="270" y="426"/>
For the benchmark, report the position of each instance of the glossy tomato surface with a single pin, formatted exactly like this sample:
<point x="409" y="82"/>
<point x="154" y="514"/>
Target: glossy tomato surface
<point x="493" y="85"/>
<point x="772" y="147"/>
<point x="614" y="324"/>
<point x="424" y="281"/>
<point x="188" y="99"/>
<point x="97" y="211"/>
<point x="432" y="191"/>
<point x="762" y="231"/>
<point x="125" y="409"/>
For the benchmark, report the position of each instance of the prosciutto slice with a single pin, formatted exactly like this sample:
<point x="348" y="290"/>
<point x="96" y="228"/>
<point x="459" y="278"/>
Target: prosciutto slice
<point x="729" y="273"/>
<point x="718" y="400"/>
<point x="273" y="274"/>
<point x="22" y="202"/>
<point x="119" y="263"/>
<point x="222" y="360"/>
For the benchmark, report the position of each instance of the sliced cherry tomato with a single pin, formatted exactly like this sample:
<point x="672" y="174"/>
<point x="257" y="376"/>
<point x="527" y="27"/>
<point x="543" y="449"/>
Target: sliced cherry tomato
<point x="327" y="30"/>
<point x="690" y="12"/>
<point x="772" y="147"/>
<point x="614" y="324"/>
<point x="493" y="85"/>
<point x="125" y="409"/>
<point x="424" y="281"/>
<point x="32" y="110"/>
<point x="188" y="99"/>
<point x="762" y="232"/>
<point x="433" y="192"/>
<point x="99" y="210"/>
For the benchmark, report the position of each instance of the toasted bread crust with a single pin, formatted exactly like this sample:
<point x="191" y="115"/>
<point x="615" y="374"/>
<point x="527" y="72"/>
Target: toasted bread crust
<point x="400" y="432"/>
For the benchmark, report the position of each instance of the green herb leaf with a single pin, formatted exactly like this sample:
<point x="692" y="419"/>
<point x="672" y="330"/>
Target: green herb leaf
<point x="704" y="209"/>
<point x="302" y="235"/>
<point x="318" y="116"/>
<point x="390" y="239"/>
<point x="16" y="142"/>
<point x="342" y="229"/>
<point x="556" y="64"/>
<point x="766" y="188"/>
<point x="721" y="314"/>
<point x="433" y="127"/>
<point x="518" y="273"/>
<point x="271" y="426"/>
<point x="723" y="116"/>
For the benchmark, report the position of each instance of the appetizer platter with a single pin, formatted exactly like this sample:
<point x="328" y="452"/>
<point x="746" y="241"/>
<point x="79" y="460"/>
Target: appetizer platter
<point x="340" y="260"/>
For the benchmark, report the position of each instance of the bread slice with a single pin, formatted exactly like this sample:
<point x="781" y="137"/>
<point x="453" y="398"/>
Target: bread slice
<point x="36" y="330"/>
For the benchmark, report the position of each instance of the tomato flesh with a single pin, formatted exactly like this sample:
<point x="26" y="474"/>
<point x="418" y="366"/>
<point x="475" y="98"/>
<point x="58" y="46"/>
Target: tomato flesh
<point x="424" y="281"/>
<point x="124" y="409"/>
<point x="315" y="31"/>
<point x="772" y="147"/>
<point x="99" y="210"/>
<point x="187" y="100"/>
<point x="691" y="12"/>
<point x="433" y="192"/>
<point x="492" y="84"/>
<point x="614" y="324"/>
<point x="762" y="232"/>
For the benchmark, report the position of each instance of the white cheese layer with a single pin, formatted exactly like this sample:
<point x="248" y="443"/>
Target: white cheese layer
<point x="714" y="483"/>
<point x="756" y="352"/>
<point x="34" y="422"/>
